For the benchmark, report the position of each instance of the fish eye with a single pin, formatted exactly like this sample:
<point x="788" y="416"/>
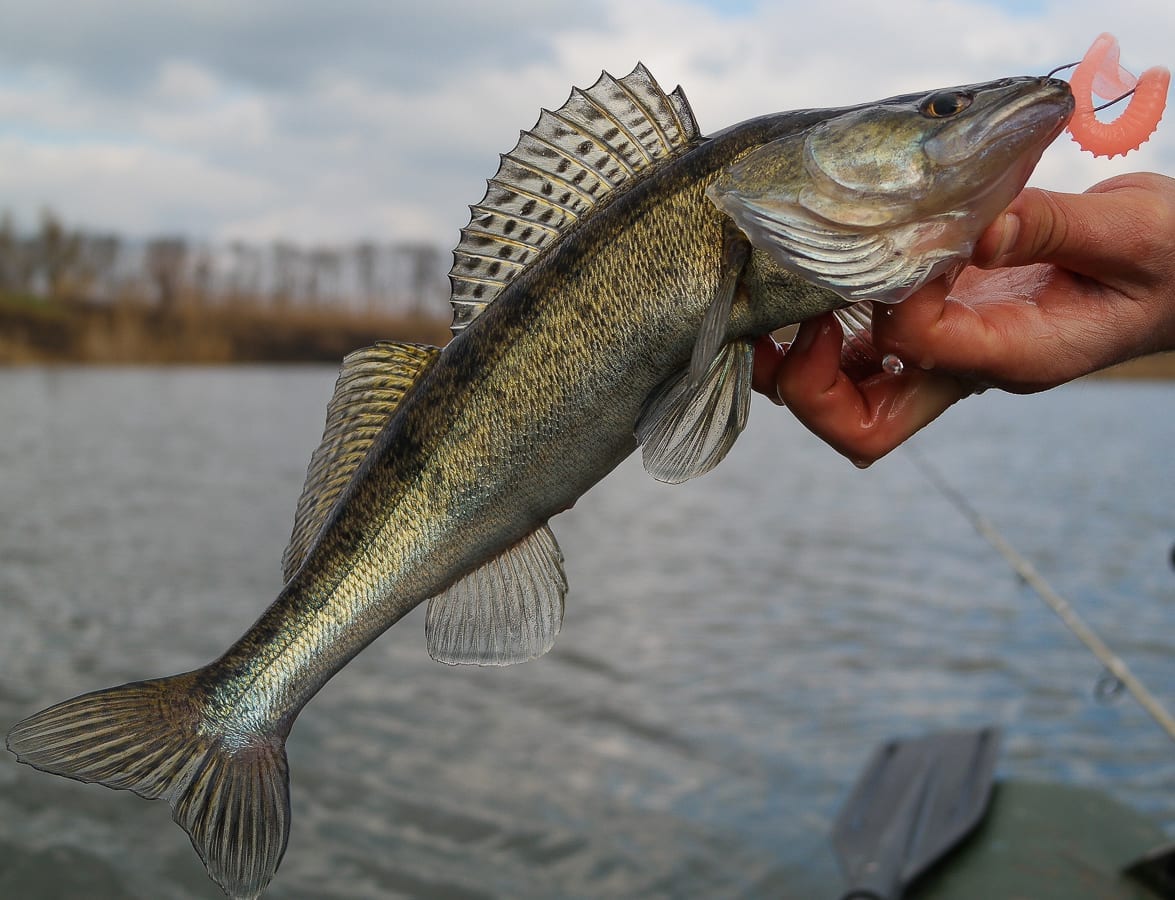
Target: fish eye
<point x="948" y="103"/>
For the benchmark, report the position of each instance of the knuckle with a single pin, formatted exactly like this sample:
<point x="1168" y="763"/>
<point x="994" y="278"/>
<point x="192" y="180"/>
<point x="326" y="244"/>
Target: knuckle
<point x="1051" y="226"/>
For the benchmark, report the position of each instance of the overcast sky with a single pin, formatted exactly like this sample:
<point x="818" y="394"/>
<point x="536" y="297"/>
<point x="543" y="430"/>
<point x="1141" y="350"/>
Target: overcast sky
<point x="328" y="122"/>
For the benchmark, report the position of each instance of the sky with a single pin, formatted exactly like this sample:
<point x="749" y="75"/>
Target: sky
<point x="333" y="122"/>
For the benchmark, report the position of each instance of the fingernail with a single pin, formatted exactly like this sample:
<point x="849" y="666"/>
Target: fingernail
<point x="804" y="337"/>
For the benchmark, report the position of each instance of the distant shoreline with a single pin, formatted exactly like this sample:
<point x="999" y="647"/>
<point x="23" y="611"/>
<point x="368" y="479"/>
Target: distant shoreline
<point x="60" y="332"/>
<point x="41" y="332"/>
<point x="1157" y="367"/>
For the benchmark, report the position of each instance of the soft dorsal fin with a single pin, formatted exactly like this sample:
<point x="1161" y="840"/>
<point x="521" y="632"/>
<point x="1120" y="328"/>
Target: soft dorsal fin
<point x="370" y="385"/>
<point x="602" y="137"/>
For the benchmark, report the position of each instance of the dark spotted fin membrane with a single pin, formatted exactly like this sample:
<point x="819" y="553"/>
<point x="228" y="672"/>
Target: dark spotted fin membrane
<point x="371" y="384"/>
<point x="602" y="138"/>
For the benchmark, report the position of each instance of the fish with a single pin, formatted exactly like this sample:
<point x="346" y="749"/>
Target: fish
<point x="606" y="294"/>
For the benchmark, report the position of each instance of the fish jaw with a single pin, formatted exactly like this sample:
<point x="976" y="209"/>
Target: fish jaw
<point x="986" y="161"/>
<point x="877" y="201"/>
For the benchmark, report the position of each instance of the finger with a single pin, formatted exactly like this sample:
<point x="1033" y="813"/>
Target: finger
<point x="815" y="354"/>
<point x="1068" y="230"/>
<point x="922" y="329"/>
<point x="768" y="355"/>
<point x="862" y="421"/>
<point x="896" y="407"/>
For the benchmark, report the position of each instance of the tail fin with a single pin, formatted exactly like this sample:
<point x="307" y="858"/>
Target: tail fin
<point x="228" y="789"/>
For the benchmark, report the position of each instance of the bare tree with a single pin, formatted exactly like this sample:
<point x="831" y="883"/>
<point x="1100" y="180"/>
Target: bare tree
<point x="245" y="277"/>
<point x="97" y="256"/>
<point x="56" y="250"/>
<point x="165" y="268"/>
<point x="58" y="261"/>
<point x="11" y="249"/>
<point x="365" y="260"/>
<point x="202" y="276"/>
<point x="423" y="268"/>
<point x="323" y="268"/>
<point x="287" y="260"/>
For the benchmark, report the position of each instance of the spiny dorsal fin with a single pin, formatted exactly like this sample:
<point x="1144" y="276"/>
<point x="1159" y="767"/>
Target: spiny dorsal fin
<point x="602" y="137"/>
<point x="370" y="385"/>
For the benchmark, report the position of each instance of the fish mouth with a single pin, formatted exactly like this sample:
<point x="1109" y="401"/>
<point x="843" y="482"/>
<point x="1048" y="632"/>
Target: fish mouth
<point x="1030" y="115"/>
<point x="1045" y="111"/>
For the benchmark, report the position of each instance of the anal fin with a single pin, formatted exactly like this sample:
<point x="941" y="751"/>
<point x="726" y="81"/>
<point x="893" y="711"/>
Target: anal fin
<point x="685" y="430"/>
<point x="507" y="611"/>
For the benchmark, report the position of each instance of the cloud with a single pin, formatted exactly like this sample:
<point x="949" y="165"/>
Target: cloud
<point x="132" y="189"/>
<point x="278" y="45"/>
<point x="368" y="118"/>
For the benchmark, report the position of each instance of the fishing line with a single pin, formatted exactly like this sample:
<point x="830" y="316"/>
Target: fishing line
<point x="1115" y="667"/>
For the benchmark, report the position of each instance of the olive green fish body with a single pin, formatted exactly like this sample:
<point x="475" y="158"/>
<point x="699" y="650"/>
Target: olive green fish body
<point x="606" y="293"/>
<point x="551" y="378"/>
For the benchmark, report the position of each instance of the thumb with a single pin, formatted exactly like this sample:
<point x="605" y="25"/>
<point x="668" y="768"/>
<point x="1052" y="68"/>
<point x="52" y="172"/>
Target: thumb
<point x="1084" y="233"/>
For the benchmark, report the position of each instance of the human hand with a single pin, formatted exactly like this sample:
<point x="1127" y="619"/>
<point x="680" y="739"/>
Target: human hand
<point x="1060" y="285"/>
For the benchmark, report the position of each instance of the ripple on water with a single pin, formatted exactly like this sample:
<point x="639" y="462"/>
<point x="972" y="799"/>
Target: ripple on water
<point x="733" y="647"/>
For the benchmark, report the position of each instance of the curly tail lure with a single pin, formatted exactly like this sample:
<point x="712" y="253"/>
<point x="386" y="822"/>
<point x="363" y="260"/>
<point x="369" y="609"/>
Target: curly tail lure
<point x="1100" y="73"/>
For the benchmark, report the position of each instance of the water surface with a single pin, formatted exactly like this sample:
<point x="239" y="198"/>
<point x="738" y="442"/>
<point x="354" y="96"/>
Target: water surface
<point x="732" y="650"/>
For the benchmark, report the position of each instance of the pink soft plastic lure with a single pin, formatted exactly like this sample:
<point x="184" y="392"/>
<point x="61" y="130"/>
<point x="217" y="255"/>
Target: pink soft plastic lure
<point x="1099" y="73"/>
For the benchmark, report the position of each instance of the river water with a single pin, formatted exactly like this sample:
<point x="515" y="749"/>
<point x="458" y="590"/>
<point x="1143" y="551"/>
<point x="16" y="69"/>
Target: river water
<point x="733" y="647"/>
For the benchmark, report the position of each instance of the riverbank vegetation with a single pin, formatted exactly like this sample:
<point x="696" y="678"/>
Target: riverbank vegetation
<point x="70" y="295"/>
<point x="76" y="296"/>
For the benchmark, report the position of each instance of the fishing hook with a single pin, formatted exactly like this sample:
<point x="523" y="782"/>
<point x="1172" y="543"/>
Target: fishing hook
<point x="1096" y="108"/>
<point x="1115" y="100"/>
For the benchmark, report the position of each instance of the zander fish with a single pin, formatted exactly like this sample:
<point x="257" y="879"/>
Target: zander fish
<point x="606" y="294"/>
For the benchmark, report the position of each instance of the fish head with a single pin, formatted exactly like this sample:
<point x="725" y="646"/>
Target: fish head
<point x="875" y="201"/>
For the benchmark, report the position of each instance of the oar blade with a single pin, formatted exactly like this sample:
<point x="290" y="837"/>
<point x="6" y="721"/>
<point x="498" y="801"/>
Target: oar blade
<point x="915" y="800"/>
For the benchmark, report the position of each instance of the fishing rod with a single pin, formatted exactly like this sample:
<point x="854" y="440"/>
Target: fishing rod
<point x="1112" y="662"/>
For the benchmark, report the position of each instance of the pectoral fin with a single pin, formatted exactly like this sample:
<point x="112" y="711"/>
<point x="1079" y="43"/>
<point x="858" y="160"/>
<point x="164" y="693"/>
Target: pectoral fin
<point x="686" y="430"/>
<point x="736" y="250"/>
<point x="505" y="612"/>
